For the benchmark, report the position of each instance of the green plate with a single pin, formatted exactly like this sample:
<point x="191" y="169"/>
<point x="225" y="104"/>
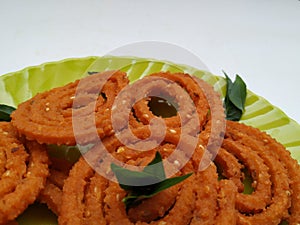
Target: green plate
<point x="19" y="86"/>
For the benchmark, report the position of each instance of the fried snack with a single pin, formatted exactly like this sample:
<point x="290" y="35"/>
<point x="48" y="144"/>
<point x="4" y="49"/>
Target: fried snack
<point x="195" y="102"/>
<point x="227" y="214"/>
<point x="53" y="191"/>
<point x="130" y="135"/>
<point x="179" y="214"/>
<point x="110" y="209"/>
<point x="83" y="196"/>
<point x="205" y="188"/>
<point x="24" y="169"/>
<point x="91" y="199"/>
<point x="270" y="166"/>
<point x="260" y="175"/>
<point x="231" y="168"/>
<point x="180" y="81"/>
<point x="48" y="116"/>
<point x="180" y="204"/>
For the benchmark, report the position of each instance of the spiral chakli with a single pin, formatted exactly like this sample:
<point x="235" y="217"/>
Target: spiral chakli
<point x="275" y="176"/>
<point x="207" y="197"/>
<point x="49" y="117"/>
<point x="96" y="197"/>
<point x="240" y="175"/>
<point x="23" y="169"/>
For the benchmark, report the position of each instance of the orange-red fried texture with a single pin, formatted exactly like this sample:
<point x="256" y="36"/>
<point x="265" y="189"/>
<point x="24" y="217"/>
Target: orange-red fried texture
<point x="110" y="208"/>
<point x="281" y="169"/>
<point x="206" y="197"/>
<point x="52" y="193"/>
<point x="87" y="194"/>
<point x="47" y="117"/>
<point x="227" y="214"/>
<point x="23" y="173"/>
<point x="176" y="87"/>
<point x="180" y="81"/>
<point x="82" y="201"/>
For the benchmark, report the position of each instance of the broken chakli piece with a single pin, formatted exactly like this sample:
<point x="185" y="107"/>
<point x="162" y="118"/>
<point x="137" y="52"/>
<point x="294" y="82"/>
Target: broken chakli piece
<point x="215" y="194"/>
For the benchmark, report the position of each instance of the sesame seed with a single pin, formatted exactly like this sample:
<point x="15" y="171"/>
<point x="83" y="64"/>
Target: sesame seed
<point x="7" y="173"/>
<point x="120" y="149"/>
<point x="177" y="163"/>
<point x="146" y="115"/>
<point x="173" y="131"/>
<point x="165" y="149"/>
<point x="201" y="146"/>
<point x="47" y="109"/>
<point x="87" y="213"/>
<point x="207" y="188"/>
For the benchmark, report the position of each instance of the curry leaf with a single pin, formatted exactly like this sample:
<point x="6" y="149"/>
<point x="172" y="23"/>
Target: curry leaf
<point x="135" y="179"/>
<point x="237" y="94"/>
<point x="144" y="184"/>
<point x="170" y="182"/>
<point x="5" y="112"/>
<point x="234" y="102"/>
<point x="156" y="167"/>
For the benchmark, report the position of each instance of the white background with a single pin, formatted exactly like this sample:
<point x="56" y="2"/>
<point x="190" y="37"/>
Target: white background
<point x="258" y="39"/>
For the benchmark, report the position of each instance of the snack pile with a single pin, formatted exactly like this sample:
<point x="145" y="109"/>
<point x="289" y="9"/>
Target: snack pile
<point x="120" y="125"/>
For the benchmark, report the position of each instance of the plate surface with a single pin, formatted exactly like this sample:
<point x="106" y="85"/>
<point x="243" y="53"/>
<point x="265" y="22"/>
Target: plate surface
<point x="19" y="86"/>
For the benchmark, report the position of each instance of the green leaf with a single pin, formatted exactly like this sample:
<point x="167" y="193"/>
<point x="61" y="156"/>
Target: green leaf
<point x="156" y="167"/>
<point x="238" y="92"/>
<point x="140" y="194"/>
<point x="235" y="98"/>
<point x="5" y="112"/>
<point x="132" y="180"/>
<point x="170" y="182"/>
<point x="146" y="183"/>
<point x="232" y="112"/>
